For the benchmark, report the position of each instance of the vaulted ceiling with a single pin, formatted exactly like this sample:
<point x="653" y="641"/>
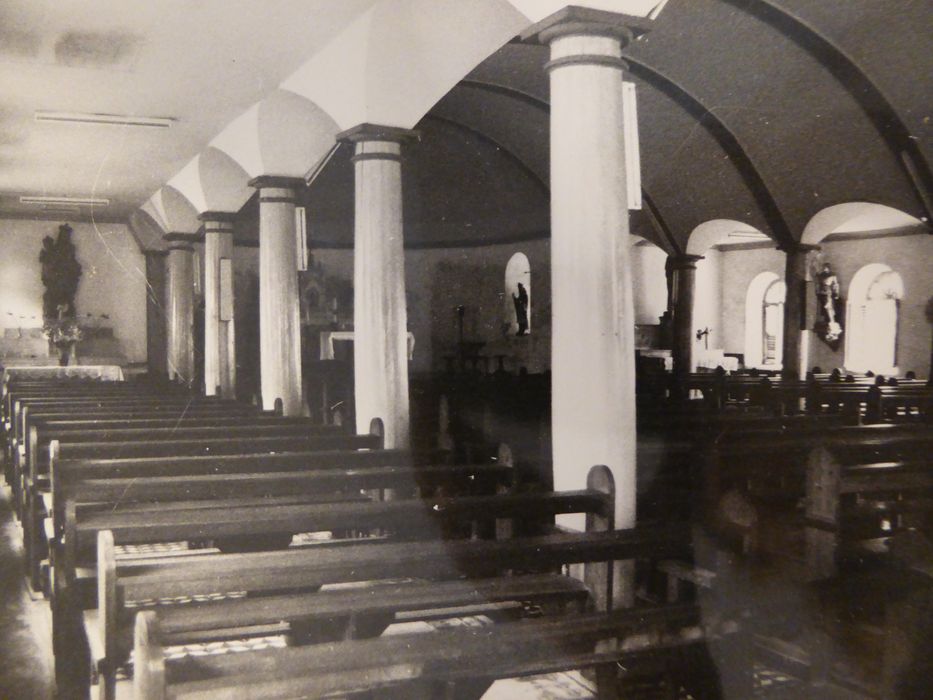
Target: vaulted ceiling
<point x="760" y="112"/>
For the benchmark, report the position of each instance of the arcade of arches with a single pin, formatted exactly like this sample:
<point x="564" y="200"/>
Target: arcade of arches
<point x="413" y="209"/>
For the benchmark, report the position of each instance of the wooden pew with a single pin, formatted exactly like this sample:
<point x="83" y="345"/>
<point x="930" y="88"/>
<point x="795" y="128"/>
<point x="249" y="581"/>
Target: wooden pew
<point x="556" y="642"/>
<point x="419" y="518"/>
<point x="38" y="415"/>
<point x="858" y="497"/>
<point x="330" y="439"/>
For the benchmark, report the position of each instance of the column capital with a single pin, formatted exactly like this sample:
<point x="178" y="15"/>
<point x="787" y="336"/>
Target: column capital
<point x="284" y="182"/>
<point x="378" y="132"/>
<point x="574" y="19"/>
<point x="684" y="261"/>
<point x="797" y="247"/>
<point x="225" y="217"/>
<point x="156" y="253"/>
<point x="181" y="241"/>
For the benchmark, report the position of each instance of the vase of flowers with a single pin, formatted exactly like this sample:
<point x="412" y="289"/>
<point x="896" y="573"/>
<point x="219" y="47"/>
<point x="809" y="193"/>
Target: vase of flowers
<point x="64" y="334"/>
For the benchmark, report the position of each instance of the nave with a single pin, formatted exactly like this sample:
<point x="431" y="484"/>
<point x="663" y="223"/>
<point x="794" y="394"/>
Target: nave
<point x="396" y="348"/>
<point x="178" y="565"/>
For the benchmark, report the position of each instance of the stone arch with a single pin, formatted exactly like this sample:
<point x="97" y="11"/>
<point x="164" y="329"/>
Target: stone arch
<point x="716" y="231"/>
<point x="855" y="218"/>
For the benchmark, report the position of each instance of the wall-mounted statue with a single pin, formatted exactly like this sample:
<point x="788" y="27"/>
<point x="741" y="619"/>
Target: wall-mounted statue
<point x="61" y="273"/>
<point x="831" y="311"/>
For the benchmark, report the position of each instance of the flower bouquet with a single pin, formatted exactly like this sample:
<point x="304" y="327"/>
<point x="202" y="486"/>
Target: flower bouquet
<point x="63" y="333"/>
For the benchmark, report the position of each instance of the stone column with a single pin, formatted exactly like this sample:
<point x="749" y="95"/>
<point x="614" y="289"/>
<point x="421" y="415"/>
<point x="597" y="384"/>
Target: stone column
<point x="593" y="326"/>
<point x="180" y="306"/>
<point x="684" y="269"/>
<point x="219" y="342"/>
<point x="279" y="315"/>
<point x="156" y="342"/>
<point x="796" y="274"/>
<point x="380" y="319"/>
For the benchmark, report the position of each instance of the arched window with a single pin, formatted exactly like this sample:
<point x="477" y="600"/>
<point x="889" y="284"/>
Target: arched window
<point x="764" y="320"/>
<point x="871" y="319"/>
<point x="518" y="295"/>
<point x="772" y="321"/>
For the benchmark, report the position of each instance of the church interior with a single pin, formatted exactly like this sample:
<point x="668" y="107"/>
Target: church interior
<point x="487" y="349"/>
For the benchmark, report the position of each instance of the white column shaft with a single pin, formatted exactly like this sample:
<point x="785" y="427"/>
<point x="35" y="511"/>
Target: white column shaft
<point x="380" y="321"/>
<point x="180" y="304"/>
<point x="219" y="345"/>
<point x="593" y="314"/>
<point x="279" y="316"/>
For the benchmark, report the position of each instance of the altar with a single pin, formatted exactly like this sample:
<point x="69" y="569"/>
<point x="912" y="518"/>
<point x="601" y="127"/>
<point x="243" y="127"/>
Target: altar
<point x="711" y="359"/>
<point x="329" y="337"/>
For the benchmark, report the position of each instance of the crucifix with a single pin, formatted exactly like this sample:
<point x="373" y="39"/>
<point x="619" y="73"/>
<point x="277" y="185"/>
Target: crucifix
<point x="704" y="333"/>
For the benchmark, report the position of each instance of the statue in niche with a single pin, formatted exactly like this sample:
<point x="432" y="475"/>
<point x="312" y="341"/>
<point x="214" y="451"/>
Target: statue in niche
<point x="521" y="309"/>
<point x="829" y="325"/>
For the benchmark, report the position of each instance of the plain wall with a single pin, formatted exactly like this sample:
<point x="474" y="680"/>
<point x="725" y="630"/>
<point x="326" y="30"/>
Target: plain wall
<point x="912" y="258"/>
<point x="113" y="279"/>
<point x="438" y="280"/>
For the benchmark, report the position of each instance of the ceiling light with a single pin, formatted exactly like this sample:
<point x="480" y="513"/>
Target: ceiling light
<point x="757" y="235"/>
<point x="107" y="119"/>
<point x="65" y="201"/>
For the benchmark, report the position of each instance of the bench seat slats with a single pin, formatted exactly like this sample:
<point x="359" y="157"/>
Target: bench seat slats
<point x="418" y="514"/>
<point x="172" y="447"/>
<point x="436" y="655"/>
<point x="203" y="486"/>
<point x="374" y="561"/>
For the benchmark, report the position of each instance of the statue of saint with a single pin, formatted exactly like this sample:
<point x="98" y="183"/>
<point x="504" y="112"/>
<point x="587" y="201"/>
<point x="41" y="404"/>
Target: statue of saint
<point x="521" y="309"/>
<point x="827" y="292"/>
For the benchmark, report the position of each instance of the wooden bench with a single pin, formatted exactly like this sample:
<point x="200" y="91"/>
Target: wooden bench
<point x="168" y="446"/>
<point x="423" y="519"/>
<point x="858" y="497"/>
<point x="555" y="642"/>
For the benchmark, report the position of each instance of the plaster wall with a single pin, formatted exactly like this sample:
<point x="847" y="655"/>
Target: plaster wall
<point x="738" y="269"/>
<point x="911" y="257"/>
<point x="438" y="280"/>
<point x="113" y="280"/>
<point x="707" y="305"/>
<point x="650" y="283"/>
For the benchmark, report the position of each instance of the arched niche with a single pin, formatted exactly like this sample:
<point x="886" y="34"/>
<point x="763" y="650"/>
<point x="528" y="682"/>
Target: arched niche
<point x="764" y="312"/>
<point x="518" y="294"/>
<point x="872" y="319"/>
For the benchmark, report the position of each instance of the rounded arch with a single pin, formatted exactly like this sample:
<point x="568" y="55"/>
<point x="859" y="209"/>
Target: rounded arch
<point x="146" y="230"/>
<point x="872" y="318"/>
<point x="756" y="319"/>
<point x="181" y="216"/>
<point x="518" y="294"/>
<point x="855" y="217"/>
<point x="285" y="134"/>
<point x="391" y="36"/>
<point x="224" y="182"/>
<point x="716" y="231"/>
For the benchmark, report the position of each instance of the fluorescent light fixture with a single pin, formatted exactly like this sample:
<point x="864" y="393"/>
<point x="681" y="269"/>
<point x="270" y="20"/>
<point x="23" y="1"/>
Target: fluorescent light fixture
<point x="66" y="201"/>
<point x="755" y="235"/>
<point x="106" y="119"/>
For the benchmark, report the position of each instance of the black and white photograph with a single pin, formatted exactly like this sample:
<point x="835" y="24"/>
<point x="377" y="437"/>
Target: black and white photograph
<point x="466" y="349"/>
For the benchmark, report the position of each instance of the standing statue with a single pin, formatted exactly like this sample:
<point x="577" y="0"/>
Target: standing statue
<point x="61" y="273"/>
<point x="827" y="293"/>
<point x="521" y="309"/>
